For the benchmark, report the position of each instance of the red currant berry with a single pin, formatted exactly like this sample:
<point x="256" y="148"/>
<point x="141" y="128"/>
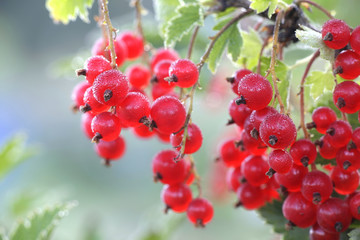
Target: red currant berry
<point x="348" y="159"/>
<point x="86" y="120"/>
<point x="339" y="133"/>
<point x="133" y="43"/>
<point x="250" y="197"/>
<point x="292" y="180"/>
<point x="234" y="178"/>
<point x="165" y="168"/>
<point x="93" y="67"/>
<point x="105" y="126"/>
<point x="347" y="97"/>
<point x="334" y="215"/>
<point x="193" y="140"/>
<point x="299" y="211"/>
<point x="238" y="113"/>
<point x="303" y="152"/>
<point x="91" y="104"/>
<point x="101" y="48"/>
<point x="344" y="182"/>
<point x="200" y="212"/>
<point x="163" y="137"/>
<point x="255" y="91"/>
<point x="325" y="149"/>
<point x="168" y="113"/>
<point x="258" y="116"/>
<point x="254" y="170"/>
<point x="316" y="187"/>
<point x="184" y="73"/>
<point x="159" y="91"/>
<point x="163" y="54"/>
<point x="143" y="131"/>
<point x="239" y="74"/>
<point x="335" y="33"/>
<point x="78" y="92"/>
<point x="280" y="161"/>
<point x="277" y="131"/>
<point x="354" y="205"/>
<point x="322" y="118"/>
<point x="161" y="71"/>
<point x="317" y="233"/>
<point x="355" y="40"/>
<point x="139" y="76"/>
<point x="347" y="65"/>
<point x="252" y="145"/>
<point x="176" y="197"/>
<point x="111" y="150"/>
<point x="356" y="137"/>
<point x="230" y="154"/>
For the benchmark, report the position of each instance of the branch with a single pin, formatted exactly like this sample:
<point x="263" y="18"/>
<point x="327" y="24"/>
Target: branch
<point x="327" y="13"/>
<point x="110" y="30"/>
<point x="192" y="41"/>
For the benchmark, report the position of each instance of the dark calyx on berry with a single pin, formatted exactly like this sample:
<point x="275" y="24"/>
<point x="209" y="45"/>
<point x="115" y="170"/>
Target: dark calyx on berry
<point x="328" y="37"/>
<point x="340" y="102"/>
<point x="81" y="72"/>
<point x="154" y="79"/>
<point x="272" y="140"/>
<point x="240" y="145"/>
<point x="338" y="226"/>
<point x="106" y="162"/>
<point x="85" y="108"/>
<point x="346" y="164"/>
<point x="230" y="79"/>
<point x="96" y="138"/>
<point x="199" y="223"/>
<point x="240" y="100"/>
<point x="305" y="161"/>
<point x="254" y="133"/>
<point x="157" y="177"/>
<point x="331" y="131"/>
<point x="316" y="198"/>
<point x="271" y="172"/>
<point x="338" y="70"/>
<point x="172" y="78"/>
<point x="147" y="122"/>
<point x="231" y="121"/>
<point x="310" y="125"/>
<point x="108" y="95"/>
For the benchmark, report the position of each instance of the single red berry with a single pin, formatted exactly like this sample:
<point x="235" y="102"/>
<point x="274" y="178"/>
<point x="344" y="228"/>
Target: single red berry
<point x="230" y="154"/>
<point x="325" y="149"/>
<point x="254" y="169"/>
<point x="139" y="76"/>
<point x="335" y="33"/>
<point x="280" y="161"/>
<point x="317" y="233"/>
<point x="78" y="92"/>
<point x="200" y="212"/>
<point x="344" y="182"/>
<point x="239" y="74"/>
<point x="161" y="71"/>
<point x="334" y="215"/>
<point x="354" y="204"/>
<point x="86" y="120"/>
<point x="111" y="87"/>
<point x="133" y="43"/>
<point x="322" y="118"/>
<point x="93" y="67"/>
<point x="193" y="140"/>
<point x="134" y="107"/>
<point x="303" y="152"/>
<point x="277" y="131"/>
<point x="163" y="137"/>
<point x="176" y="197"/>
<point x="347" y="64"/>
<point x="255" y="91"/>
<point x="250" y="197"/>
<point x="355" y="40"/>
<point x="252" y="145"/>
<point x="348" y="159"/>
<point x="339" y="133"/>
<point x="258" y="116"/>
<point x="91" y="104"/>
<point x="159" y="91"/>
<point x="316" y="187"/>
<point x="234" y="178"/>
<point x="168" y="113"/>
<point x="292" y="180"/>
<point x="238" y="113"/>
<point x="165" y="168"/>
<point x="101" y="48"/>
<point x="163" y="54"/>
<point x="184" y="73"/>
<point x="299" y="211"/>
<point x="105" y="126"/>
<point x="347" y="97"/>
<point x="111" y="150"/>
<point x="143" y="131"/>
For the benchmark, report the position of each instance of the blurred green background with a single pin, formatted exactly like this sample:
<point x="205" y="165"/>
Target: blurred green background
<point x="37" y="62"/>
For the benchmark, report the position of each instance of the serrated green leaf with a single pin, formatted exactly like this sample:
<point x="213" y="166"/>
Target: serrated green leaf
<point x="314" y="39"/>
<point x="272" y="214"/>
<point x="320" y="82"/>
<point x="14" y="152"/>
<point x="250" y="50"/>
<point x="261" y="5"/>
<point x="354" y="234"/>
<point x="164" y="11"/>
<point x="187" y="16"/>
<point x="40" y="224"/>
<point x="68" y="10"/>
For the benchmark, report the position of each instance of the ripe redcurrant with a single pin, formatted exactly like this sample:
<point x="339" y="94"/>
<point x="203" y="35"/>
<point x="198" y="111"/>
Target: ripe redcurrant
<point x="133" y="43"/>
<point x="105" y="126"/>
<point x="184" y="73"/>
<point x="139" y="76"/>
<point x="316" y="186"/>
<point x="200" y="212"/>
<point x="335" y="33"/>
<point x="347" y="97"/>
<point x="193" y="140"/>
<point x="176" y="197"/>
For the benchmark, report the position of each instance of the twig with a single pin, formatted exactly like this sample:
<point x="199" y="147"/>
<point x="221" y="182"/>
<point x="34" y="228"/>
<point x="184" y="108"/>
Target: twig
<point x="138" y="8"/>
<point x="327" y="13"/>
<point x="192" y="41"/>
<point x="110" y="30"/>
<point x="100" y="21"/>
<point x="266" y="42"/>
<point x="301" y="93"/>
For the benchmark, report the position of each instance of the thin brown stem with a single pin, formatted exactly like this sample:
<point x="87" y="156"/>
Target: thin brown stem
<point x="301" y="93"/>
<point x="277" y="96"/>
<point x="266" y="42"/>
<point x="138" y="8"/>
<point x="100" y="21"/>
<point x="327" y="13"/>
<point x="192" y="41"/>
<point x="110" y="30"/>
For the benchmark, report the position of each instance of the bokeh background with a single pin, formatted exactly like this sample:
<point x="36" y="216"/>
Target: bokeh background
<point x="37" y="62"/>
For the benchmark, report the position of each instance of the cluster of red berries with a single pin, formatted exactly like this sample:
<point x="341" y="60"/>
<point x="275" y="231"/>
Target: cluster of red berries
<point x="111" y="101"/>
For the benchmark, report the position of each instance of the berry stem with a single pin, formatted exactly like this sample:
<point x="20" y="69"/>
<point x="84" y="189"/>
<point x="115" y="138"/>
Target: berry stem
<point x="110" y="30"/>
<point x="266" y="42"/>
<point x="192" y="41"/>
<point x="301" y="93"/>
<point x="138" y="8"/>
<point x="100" y="20"/>
<point x="327" y="13"/>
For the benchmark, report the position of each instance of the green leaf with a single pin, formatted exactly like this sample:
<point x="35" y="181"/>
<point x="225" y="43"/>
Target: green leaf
<point x="40" y="224"/>
<point x="250" y="50"/>
<point x="68" y="10"/>
<point x="320" y="82"/>
<point x="187" y="16"/>
<point x="354" y="234"/>
<point x="296" y="234"/>
<point x="230" y="38"/>
<point x="164" y="11"/>
<point x="261" y="5"/>
<point x="314" y="40"/>
<point x="13" y="153"/>
<point x="272" y="214"/>
<point x="227" y="11"/>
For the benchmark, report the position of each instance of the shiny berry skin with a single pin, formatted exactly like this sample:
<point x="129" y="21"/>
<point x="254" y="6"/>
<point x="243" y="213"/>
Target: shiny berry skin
<point x="133" y="43"/>
<point x="347" y="97"/>
<point x="111" y="87"/>
<point x="303" y="152"/>
<point x="335" y="33"/>
<point x="94" y="66"/>
<point x="355" y="40"/>
<point x="239" y="113"/>
<point x="339" y="133"/>
<point x="299" y="211"/>
<point x="111" y="150"/>
<point x="354" y="205"/>
<point x="143" y="131"/>
<point x="100" y="48"/>
<point x="91" y="104"/>
<point x="322" y="118"/>
<point x="233" y="178"/>
<point x="139" y="76"/>
<point x="280" y="161"/>
<point x="239" y="74"/>
<point x="258" y="116"/>
<point x="255" y="91"/>
<point x="277" y="131"/>
<point x="348" y="159"/>
<point x="161" y="71"/>
<point x="250" y="197"/>
<point x="176" y="197"/>
<point x="163" y="137"/>
<point x="163" y="54"/>
<point x="292" y="180"/>
<point x="334" y="215"/>
<point x="325" y="149"/>
<point x="317" y="233"/>
<point x="356" y="137"/>
<point x="78" y="92"/>
<point x="316" y="187"/>
<point x="344" y="182"/>
<point x="86" y="120"/>
<point x="230" y="154"/>
<point x="165" y="168"/>
<point x="184" y="73"/>
<point x="106" y="126"/>
<point x="159" y="91"/>
<point x="134" y="107"/>
<point x="347" y="64"/>
<point x="252" y="145"/>
<point x="254" y="169"/>
<point x="200" y="212"/>
<point x="168" y="113"/>
<point x="193" y="140"/>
